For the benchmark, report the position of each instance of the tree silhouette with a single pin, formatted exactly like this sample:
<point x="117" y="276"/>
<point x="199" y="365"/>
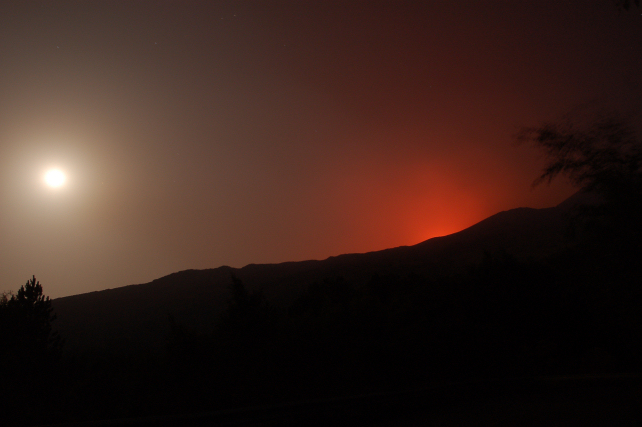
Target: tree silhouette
<point x="29" y="352"/>
<point x="602" y="156"/>
<point x="25" y="325"/>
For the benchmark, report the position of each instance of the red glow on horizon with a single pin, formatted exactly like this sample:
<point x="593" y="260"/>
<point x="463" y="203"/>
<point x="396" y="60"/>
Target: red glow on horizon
<point x="455" y="213"/>
<point x="384" y="205"/>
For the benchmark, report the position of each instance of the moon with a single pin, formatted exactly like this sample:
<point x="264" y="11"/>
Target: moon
<point x="55" y="178"/>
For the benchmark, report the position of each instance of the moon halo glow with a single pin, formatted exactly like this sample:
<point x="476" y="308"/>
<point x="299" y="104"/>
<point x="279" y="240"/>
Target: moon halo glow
<point x="55" y="178"/>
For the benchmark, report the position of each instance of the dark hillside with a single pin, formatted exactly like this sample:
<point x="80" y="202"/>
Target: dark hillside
<point x="512" y="298"/>
<point x="136" y="316"/>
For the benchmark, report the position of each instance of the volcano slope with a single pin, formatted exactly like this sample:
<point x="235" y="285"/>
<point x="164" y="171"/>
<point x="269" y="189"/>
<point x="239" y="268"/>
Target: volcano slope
<point x="136" y="316"/>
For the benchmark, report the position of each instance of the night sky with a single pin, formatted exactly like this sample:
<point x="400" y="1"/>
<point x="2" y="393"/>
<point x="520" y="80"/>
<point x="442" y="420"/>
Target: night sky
<point x="201" y="134"/>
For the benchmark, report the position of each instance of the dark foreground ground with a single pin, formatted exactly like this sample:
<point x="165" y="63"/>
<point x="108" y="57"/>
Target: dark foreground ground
<point x="553" y="401"/>
<point x="597" y="401"/>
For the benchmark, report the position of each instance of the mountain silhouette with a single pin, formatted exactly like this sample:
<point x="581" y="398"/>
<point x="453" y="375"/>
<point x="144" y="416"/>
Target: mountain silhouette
<point x="137" y="316"/>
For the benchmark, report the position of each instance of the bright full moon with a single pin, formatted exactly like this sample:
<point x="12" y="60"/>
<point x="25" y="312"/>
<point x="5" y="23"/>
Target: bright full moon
<point x="55" y="178"/>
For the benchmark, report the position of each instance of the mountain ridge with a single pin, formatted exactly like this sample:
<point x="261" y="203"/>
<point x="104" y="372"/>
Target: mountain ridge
<point x="137" y="315"/>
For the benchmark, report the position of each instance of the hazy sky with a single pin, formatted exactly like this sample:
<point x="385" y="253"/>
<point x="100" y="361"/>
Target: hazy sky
<point x="201" y="134"/>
